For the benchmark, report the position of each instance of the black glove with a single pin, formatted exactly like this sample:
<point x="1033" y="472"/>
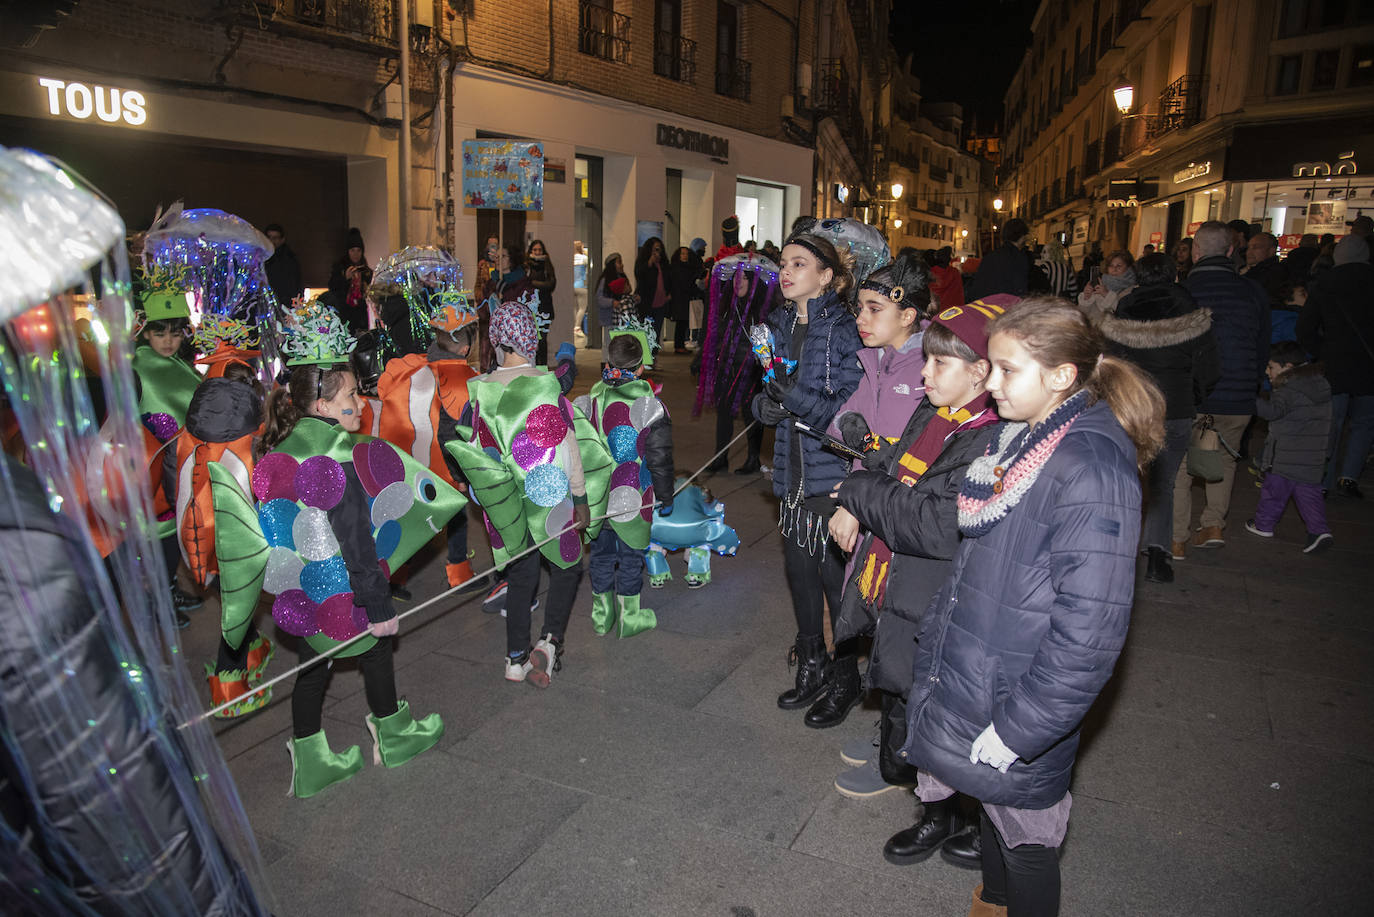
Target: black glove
<point x="854" y="430"/>
<point x="767" y="411"/>
<point x="778" y="387"/>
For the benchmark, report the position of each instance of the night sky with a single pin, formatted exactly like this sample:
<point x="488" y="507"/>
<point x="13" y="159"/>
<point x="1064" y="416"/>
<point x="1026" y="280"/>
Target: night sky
<point x="966" y="51"/>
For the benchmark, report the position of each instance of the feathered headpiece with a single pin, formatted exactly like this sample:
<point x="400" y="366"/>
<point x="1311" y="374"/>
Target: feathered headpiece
<point x="643" y="330"/>
<point x="313" y="334"/>
<point x="224" y="341"/>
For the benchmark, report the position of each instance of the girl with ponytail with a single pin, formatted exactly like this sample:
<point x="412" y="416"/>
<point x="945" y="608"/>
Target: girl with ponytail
<point x="1024" y="633"/>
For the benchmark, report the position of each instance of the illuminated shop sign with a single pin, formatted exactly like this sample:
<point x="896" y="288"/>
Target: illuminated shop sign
<point x="1345" y="165"/>
<point x="694" y="142"/>
<point x="1191" y="171"/>
<point x="105" y="103"/>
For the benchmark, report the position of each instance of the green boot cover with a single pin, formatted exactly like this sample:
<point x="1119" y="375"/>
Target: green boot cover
<point x="633" y="619"/>
<point x="314" y="767"/>
<point x="398" y="738"/>
<point x="603" y="612"/>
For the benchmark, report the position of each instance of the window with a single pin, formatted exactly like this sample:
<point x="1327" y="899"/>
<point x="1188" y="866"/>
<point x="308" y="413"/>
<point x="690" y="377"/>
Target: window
<point x="1294" y="17"/>
<point x="1362" y="66"/>
<point x="674" y="56"/>
<point x="732" y="74"/>
<point x="602" y="32"/>
<point x="1325" y="66"/>
<point x="1289" y="71"/>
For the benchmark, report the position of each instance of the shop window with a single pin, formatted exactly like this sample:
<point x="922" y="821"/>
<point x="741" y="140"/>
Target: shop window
<point x="1287" y="74"/>
<point x="1326" y="64"/>
<point x="1362" y="66"/>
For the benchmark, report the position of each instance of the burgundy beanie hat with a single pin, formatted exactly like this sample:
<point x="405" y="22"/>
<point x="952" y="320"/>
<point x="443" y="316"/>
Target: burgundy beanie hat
<point x="969" y="322"/>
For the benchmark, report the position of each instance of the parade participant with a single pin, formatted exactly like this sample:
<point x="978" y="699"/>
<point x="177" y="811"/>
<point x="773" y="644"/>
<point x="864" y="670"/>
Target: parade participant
<point x="337" y="513"/>
<point x="639" y="435"/>
<point x="518" y="449"/>
<point x="1025" y="631"/>
<point x="816" y="329"/>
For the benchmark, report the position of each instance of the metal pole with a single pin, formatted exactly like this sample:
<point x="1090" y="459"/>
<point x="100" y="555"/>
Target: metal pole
<point x="403" y="186"/>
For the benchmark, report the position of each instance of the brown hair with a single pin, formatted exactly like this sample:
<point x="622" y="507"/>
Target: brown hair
<point x="840" y="263"/>
<point x="1055" y="332"/>
<point x="239" y="371"/>
<point x="939" y="341"/>
<point x="289" y="403"/>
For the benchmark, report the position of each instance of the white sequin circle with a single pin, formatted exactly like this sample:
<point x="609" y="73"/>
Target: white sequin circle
<point x="624" y="503"/>
<point x="644" y="411"/>
<point x="314" y="538"/>
<point x="283" y="571"/>
<point x="393" y="502"/>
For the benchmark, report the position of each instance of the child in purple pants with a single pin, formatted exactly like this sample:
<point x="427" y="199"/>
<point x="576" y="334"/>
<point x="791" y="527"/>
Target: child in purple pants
<point x="1299" y="416"/>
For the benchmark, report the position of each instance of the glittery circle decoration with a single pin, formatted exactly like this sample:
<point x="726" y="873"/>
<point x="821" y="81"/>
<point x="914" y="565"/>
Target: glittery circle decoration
<point x="646" y="480"/>
<point x="320" y="482"/>
<point x="626" y="475"/>
<point x="560" y="517"/>
<point x="493" y="536"/>
<point x="388" y="538"/>
<point x="484" y="437"/>
<point x="546" y="426"/>
<point x="322" y="579"/>
<point x="377" y="465"/>
<point x="569" y="546"/>
<point x="616" y="413"/>
<point x="313" y="535"/>
<point x="283" y="571"/>
<point x="295" y="613"/>
<point x="566" y="407"/>
<point x="336" y="617"/>
<point x="274" y="477"/>
<point x="393" y="502"/>
<point x="277" y="517"/>
<point x="646" y="505"/>
<point x="163" y="426"/>
<point x="546" y="485"/>
<point x="584" y="404"/>
<point x="642" y="443"/>
<point x="623" y="504"/>
<point x="646" y="410"/>
<point x="527" y="454"/>
<point x="622" y="441"/>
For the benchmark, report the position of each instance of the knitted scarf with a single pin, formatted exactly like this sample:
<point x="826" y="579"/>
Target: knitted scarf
<point x="997" y="481"/>
<point x="916" y="461"/>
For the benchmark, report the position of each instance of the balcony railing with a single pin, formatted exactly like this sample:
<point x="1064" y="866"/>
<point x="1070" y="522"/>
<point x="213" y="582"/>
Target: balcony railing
<point x="733" y="77"/>
<point x="367" y="21"/>
<point x="837" y="99"/>
<point x="938" y="173"/>
<point x="675" y="57"/>
<point x="603" y="33"/>
<point x="1179" y="106"/>
<point x="1092" y="159"/>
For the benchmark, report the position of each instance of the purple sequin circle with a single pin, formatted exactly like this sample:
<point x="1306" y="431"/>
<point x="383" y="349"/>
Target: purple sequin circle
<point x="163" y="426"/>
<point x="484" y="437"/>
<point x="616" y="413"/>
<point x="647" y="513"/>
<point x="527" y="453"/>
<point x="545" y="426"/>
<point x="566" y="407"/>
<point x="377" y="465"/>
<point x="625" y="475"/>
<point x="622" y="441"/>
<point x="296" y="614"/>
<point x="338" y="620"/>
<point x="320" y="482"/>
<point x="569" y="546"/>
<point x="641" y="442"/>
<point x="274" y="477"/>
<point x="492" y="535"/>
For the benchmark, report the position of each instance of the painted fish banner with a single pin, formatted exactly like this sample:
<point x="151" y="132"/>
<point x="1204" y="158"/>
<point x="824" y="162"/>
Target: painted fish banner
<point x="503" y="174"/>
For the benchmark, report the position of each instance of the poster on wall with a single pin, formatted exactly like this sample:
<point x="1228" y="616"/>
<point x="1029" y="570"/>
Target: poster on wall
<point x="1328" y="216"/>
<point x="646" y="230"/>
<point x="503" y="174"/>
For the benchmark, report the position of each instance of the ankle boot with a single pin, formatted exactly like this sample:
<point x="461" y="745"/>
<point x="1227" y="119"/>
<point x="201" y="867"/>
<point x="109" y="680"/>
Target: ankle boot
<point x="315" y="768"/>
<point x="633" y="619"/>
<point x="981" y="908"/>
<point x="844" y="689"/>
<point x="965" y="849"/>
<point x="720" y="464"/>
<point x="1158" y="569"/>
<point x="751" y="464"/>
<point x="398" y="738"/>
<point x="603" y="612"/>
<point x="939" y="821"/>
<point x="458" y="573"/>
<point x="808" y="655"/>
<point x="260" y="652"/>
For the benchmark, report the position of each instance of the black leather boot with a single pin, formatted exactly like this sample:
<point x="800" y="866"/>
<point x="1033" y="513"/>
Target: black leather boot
<point x="1158" y="569"/>
<point x="939" y="821"/>
<point x="720" y="464"/>
<point x="808" y="654"/>
<point x="844" y="690"/>
<point x="965" y="849"/>
<point x="751" y="464"/>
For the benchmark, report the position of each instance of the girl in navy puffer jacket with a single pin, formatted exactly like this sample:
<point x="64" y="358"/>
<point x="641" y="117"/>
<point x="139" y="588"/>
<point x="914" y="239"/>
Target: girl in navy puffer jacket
<point x="1022" y="637"/>
<point x="816" y="329"/>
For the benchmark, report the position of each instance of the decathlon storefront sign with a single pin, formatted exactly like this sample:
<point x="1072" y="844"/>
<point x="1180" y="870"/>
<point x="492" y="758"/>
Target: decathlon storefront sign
<point x="86" y="101"/>
<point x="679" y="138"/>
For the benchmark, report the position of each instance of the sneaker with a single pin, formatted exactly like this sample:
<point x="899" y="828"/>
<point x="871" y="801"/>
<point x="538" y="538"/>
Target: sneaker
<point x="1347" y="487"/>
<point x="184" y="601"/>
<point x="864" y="782"/>
<point x="547" y="658"/>
<point x="1209" y="536"/>
<point x="1178" y="550"/>
<point x="1318" y="543"/>
<point x="518" y="667"/>
<point x="1256" y="530"/>
<point x="859" y="750"/>
<point x="495" y="602"/>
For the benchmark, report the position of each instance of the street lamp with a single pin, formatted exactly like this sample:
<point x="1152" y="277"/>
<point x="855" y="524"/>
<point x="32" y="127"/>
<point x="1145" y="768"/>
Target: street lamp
<point x="1124" y="95"/>
<point x="964" y="233"/>
<point x="997" y="204"/>
<point x="897" y="223"/>
<point x="897" y="190"/>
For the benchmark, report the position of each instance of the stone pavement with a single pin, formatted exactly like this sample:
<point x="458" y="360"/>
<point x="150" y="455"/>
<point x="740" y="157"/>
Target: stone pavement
<point x="1229" y="768"/>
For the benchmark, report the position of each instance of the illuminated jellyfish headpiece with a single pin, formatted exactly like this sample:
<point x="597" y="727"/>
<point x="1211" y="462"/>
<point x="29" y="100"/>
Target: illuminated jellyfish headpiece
<point x="140" y="815"/>
<point x="431" y="282"/>
<point x="642" y="330"/>
<point x="222" y="255"/>
<point x="864" y="242"/>
<point x="313" y="333"/>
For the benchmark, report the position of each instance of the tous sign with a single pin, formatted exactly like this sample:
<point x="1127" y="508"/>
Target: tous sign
<point x="78" y="100"/>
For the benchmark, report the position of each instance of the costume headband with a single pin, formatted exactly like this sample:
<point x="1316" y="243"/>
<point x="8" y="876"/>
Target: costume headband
<point x="894" y="293"/>
<point x="801" y="240"/>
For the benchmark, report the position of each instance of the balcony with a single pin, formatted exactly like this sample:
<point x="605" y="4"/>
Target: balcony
<point x="603" y="33"/>
<point x="733" y="77"/>
<point x="1092" y="159"/>
<point x="675" y="57"/>
<point x="363" y="24"/>
<point x="938" y="173"/>
<point x="838" y="100"/>
<point x="1178" y="106"/>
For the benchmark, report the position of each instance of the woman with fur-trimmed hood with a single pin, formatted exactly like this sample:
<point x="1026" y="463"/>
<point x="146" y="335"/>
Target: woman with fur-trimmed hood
<point x="1159" y="327"/>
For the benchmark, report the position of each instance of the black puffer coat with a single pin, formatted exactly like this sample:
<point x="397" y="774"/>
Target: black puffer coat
<point x="920" y="524"/>
<point x="1299" y="415"/>
<point x="1337" y="327"/>
<point x="1241" y="323"/>
<point x="1161" y="329"/>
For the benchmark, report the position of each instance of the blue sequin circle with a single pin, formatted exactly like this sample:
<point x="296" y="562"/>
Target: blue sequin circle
<point x="277" y="517"/>
<point x="546" y="485"/>
<point x="388" y="538"/>
<point x="322" y="578"/>
<point x="622" y="443"/>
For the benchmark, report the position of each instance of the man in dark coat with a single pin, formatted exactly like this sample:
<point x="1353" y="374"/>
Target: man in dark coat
<point x="1240" y="322"/>
<point x="283" y="269"/>
<point x="1337" y="328"/>
<point x="1298" y="264"/>
<point x="1006" y="270"/>
<point x="1264" y="267"/>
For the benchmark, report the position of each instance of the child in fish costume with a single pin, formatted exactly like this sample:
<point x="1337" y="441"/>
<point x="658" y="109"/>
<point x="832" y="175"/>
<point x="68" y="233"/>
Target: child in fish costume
<point x="639" y="438"/>
<point x="336" y="513"/>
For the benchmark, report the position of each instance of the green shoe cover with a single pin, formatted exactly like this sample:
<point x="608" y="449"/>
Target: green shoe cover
<point x="314" y="767"/>
<point x="603" y="612"/>
<point x="633" y="619"/>
<point x="398" y="738"/>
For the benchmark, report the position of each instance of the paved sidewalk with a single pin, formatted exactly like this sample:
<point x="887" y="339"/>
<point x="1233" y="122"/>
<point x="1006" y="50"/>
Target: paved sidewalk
<point x="1229" y="769"/>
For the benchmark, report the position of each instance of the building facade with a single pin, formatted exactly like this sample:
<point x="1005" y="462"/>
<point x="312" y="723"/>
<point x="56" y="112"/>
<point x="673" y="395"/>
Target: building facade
<point x="1237" y="109"/>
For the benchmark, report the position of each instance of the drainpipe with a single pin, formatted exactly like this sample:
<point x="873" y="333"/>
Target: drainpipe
<point x="403" y="16"/>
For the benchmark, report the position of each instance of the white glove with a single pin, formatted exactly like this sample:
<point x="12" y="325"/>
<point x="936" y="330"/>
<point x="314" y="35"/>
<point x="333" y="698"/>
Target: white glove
<point x="988" y="749"/>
